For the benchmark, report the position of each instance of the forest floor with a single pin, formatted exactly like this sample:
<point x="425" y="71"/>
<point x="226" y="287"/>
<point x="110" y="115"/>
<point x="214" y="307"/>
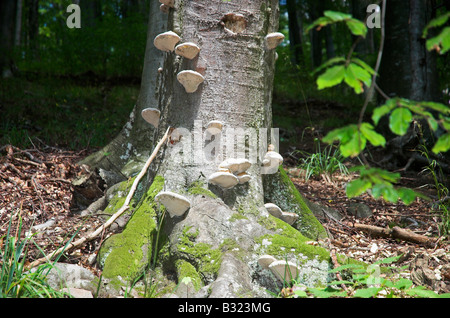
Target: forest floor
<point x="36" y="188"/>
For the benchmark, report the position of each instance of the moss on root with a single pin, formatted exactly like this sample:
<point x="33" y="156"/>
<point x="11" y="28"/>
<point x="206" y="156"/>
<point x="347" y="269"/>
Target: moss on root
<point x="128" y="253"/>
<point x="280" y="190"/>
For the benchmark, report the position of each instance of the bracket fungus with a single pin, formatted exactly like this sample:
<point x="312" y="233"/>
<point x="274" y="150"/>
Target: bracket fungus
<point x="284" y="271"/>
<point x="214" y="127"/>
<point x="166" y="41"/>
<point x="190" y="80"/>
<point x="236" y="166"/>
<point x="174" y="203"/>
<point x="164" y="9"/>
<point x="272" y="40"/>
<point x="272" y="158"/>
<point x="265" y="260"/>
<point x="275" y="210"/>
<point x="169" y="3"/>
<point x="224" y="179"/>
<point x="188" y="50"/>
<point x="244" y="177"/>
<point x="151" y="115"/>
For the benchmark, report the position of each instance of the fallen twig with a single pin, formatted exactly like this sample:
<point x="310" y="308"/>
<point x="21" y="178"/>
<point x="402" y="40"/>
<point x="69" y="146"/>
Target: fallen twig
<point x="396" y="233"/>
<point x="111" y="220"/>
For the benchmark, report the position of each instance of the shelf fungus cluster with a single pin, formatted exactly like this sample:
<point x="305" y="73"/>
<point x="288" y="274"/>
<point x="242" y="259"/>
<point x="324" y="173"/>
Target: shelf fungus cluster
<point x="174" y="203"/>
<point x="167" y="42"/>
<point x="274" y="210"/>
<point x="231" y="172"/>
<point x="283" y="270"/>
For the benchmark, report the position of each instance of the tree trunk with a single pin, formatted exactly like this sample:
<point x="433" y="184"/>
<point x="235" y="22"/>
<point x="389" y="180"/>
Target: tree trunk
<point x="294" y="32"/>
<point x="7" y="24"/>
<point x="216" y="243"/>
<point x="407" y="69"/>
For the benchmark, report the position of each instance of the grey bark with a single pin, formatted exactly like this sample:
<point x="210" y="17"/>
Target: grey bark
<point x="237" y="90"/>
<point x="127" y="153"/>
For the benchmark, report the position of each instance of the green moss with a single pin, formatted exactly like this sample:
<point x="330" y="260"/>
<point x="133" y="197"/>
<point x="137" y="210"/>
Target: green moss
<point x="128" y="253"/>
<point x="186" y="269"/>
<point x="290" y="239"/>
<point x="280" y="190"/>
<point x="206" y="259"/>
<point x="196" y="188"/>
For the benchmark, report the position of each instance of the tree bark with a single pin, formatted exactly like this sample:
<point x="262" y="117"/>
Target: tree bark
<point x="222" y="234"/>
<point x="7" y="24"/>
<point x="294" y="32"/>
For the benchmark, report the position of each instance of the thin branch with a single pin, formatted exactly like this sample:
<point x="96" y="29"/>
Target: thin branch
<point x="377" y="65"/>
<point x="111" y="220"/>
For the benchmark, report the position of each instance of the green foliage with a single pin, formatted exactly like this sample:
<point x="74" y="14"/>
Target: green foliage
<point x="369" y="282"/>
<point x="15" y="281"/>
<point x="402" y="112"/>
<point x="323" y="162"/>
<point x="440" y="42"/>
<point x="355" y="26"/>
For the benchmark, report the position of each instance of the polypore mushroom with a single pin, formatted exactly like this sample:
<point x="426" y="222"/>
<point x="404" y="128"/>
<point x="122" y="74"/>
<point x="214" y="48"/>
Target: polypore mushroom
<point x="244" y="177"/>
<point x="188" y="50"/>
<point x="164" y="9"/>
<point x="224" y="179"/>
<point x="190" y="80"/>
<point x="289" y="217"/>
<point x="151" y="115"/>
<point x="272" y="40"/>
<point x="236" y="166"/>
<point x="174" y="203"/>
<point x="265" y="260"/>
<point x="284" y="271"/>
<point x="272" y="159"/>
<point x="274" y="210"/>
<point x="169" y="3"/>
<point x="214" y="127"/>
<point x="166" y="41"/>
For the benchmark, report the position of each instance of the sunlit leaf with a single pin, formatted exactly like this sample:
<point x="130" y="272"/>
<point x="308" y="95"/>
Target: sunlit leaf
<point x="442" y="144"/>
<point x="374" y="138"/>
<point x="331" y="77"/>
<point x="400" y="120"/>
<point x="357" y="27"/>
<point x="357" y="187"/>
<point x="336" y="16"/>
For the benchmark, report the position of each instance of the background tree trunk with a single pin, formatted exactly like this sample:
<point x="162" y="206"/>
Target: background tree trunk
<point x="294" y="32"/>
<point x="221" y="236"/>
<point x="7" y="24"/>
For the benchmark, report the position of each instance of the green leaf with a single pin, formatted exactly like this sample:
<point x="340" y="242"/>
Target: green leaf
<point x="437" y="107"/>
<point x="352" y="81"/>
<point x="407" y="195"/>
<point x="357" y="187"/>
<point x="342" y="134"/>
<point x="442" y="144"/>
<point x="300" y="293"/>
<point x="383" y="110"/>
<point x="354" y="146"/>
<point x="375" y="138"/>
<point x="441" y="42"/>
<point x="367" y="292"/>
<point x="422" y="292"/>
<point x="328" y="63"/>
<point x="388" y="260"/>
<point x="364" y="65"/>
<point x="441" y="20"/>
<point x="336" y="16"/>
<point x="400" y="120"/>
<point x="331" y="77"/>
<point x="403" y="283"/>
<point x="387" y="191"/>
<point x="357" y="27"/>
